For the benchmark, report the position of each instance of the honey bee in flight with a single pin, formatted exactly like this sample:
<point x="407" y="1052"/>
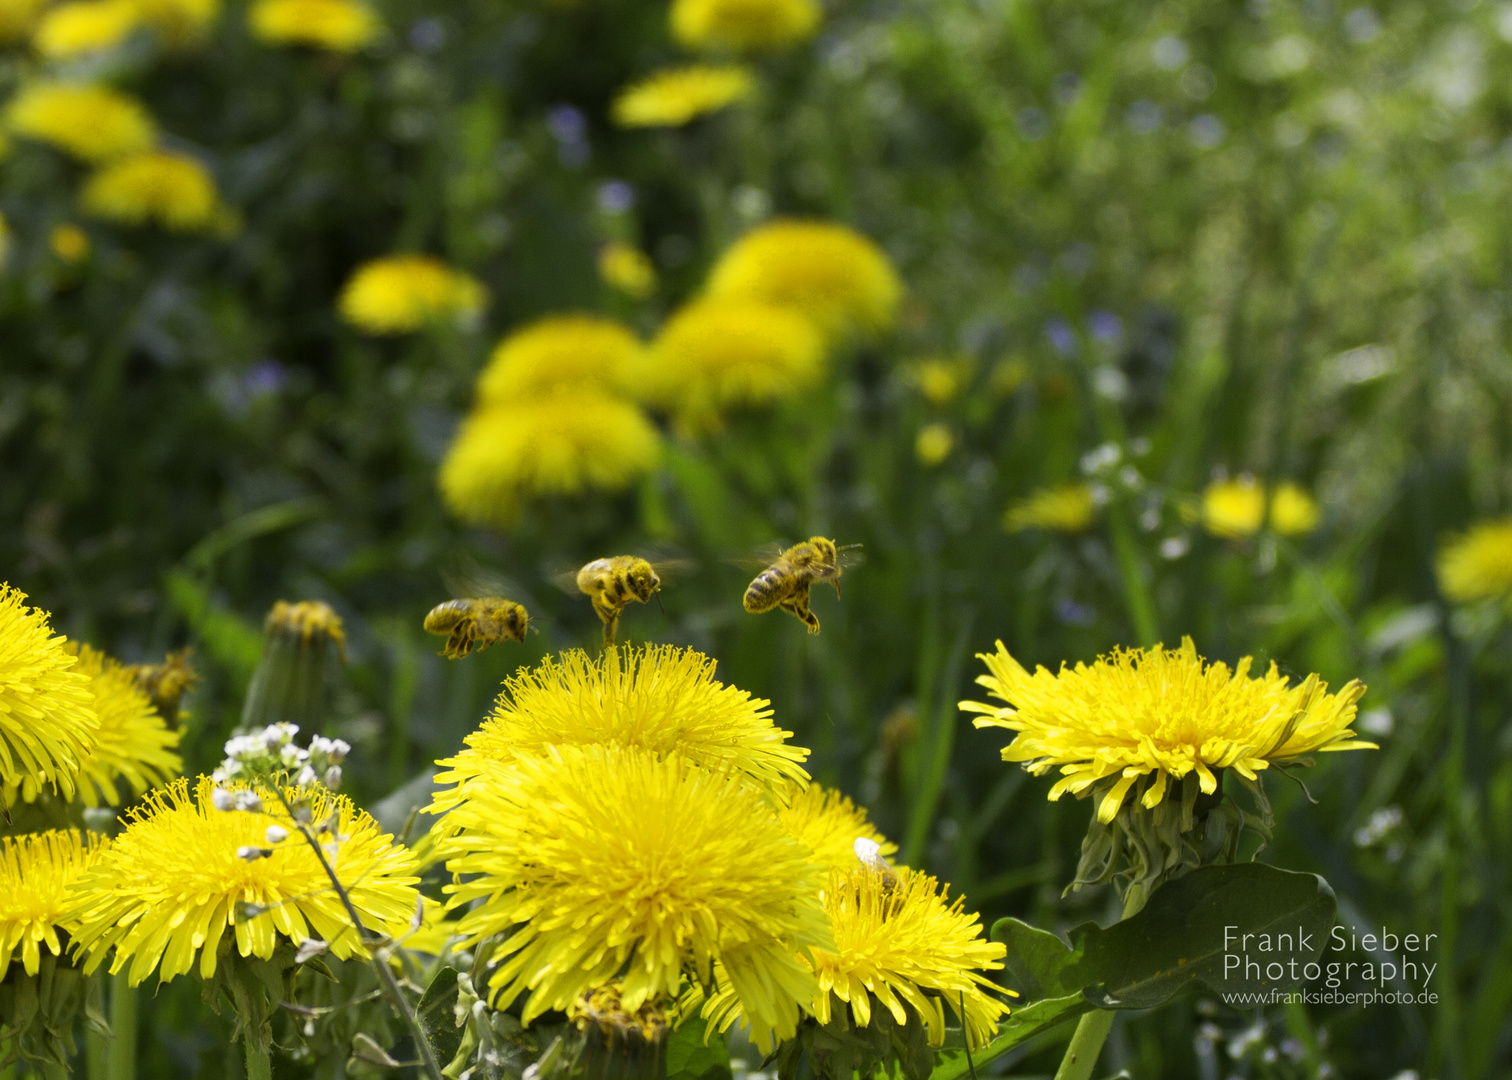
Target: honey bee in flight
<point x="481" y="622"/>
<point x="613" y="583"/>
<point x="785" y="584"/>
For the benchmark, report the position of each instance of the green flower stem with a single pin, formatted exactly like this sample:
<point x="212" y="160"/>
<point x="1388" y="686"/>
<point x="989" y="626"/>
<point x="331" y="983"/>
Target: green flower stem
<point x="259" y="1061"/>
<point x="1131" y="572"/>
<point x="1092" y="1029"/>
<point x="123" y="1027"/>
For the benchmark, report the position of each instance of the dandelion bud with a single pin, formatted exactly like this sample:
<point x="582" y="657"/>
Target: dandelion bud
<point x="252" y="854"/>
<point x="340" y="748"/>
<point x="333" y="777"/>
<point x="276" y="834"/>
<point x="289" y="684"/>
<point x="306" y="777"/>
<point x="222" y="799"/>
<point x="249" y="801"/>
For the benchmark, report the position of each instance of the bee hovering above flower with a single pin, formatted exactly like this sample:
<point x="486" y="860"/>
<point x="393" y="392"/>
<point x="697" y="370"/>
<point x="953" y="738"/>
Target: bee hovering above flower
<point x="482" y="617"/>
<point x="613" y="583"/>
<point x="786" y="582"/>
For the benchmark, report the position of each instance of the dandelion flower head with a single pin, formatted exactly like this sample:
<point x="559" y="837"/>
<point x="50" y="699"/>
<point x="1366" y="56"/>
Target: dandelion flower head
<point x="1069" y="508"/>
<point x="403" y="293"/>
<point x="48" y="724"/>
<point x="934" y="443"/>
<point x="676" y="96"/>
<point x="828" y="824"/>
<point x="714" y="355"/>
<point x="1478" y="564"/>
<point x="18" y="19"/>
<point x="36" y="873"/>
<point x="564" y="445"/>
<point x="1234" y="509"/>
<point x="627" y="269"/>
<point x="154" y="187"/>
<point x="93" y="123"/>
<point x="560" y="353"/>
<point x="743" y="25"/>
<point x="69" y="242"/>
<point x="85" y="26"/>
<point x="174" y="882"/>
<point x="609" y="861"/>
<point x="836" y="276"/>
<point x="342" y="26"/>
<point x="940" y="379"/>
<point x="1159" y="713"/>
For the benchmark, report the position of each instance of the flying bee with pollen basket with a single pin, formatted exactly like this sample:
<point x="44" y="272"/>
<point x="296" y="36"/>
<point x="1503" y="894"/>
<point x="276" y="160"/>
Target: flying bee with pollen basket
<point x="786" y="582"/>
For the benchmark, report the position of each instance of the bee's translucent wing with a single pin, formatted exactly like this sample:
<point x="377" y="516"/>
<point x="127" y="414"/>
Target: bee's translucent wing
<point x="562" y="574"/>
<point x="468" y="579"/>
<point x="850" y="556"/>
<point x="759" y="557"/>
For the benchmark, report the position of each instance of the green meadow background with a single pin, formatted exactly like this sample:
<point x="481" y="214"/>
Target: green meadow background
<point x="1222" y="238"/>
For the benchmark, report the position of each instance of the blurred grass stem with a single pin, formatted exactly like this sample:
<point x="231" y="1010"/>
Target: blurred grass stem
<point x="1092" y="1029"/>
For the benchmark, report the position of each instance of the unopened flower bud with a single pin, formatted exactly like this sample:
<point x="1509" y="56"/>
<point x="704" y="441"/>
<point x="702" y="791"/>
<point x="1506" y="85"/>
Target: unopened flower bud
<point x="276" y="834"/>
<point x="306" y="777"/>
<point x="252" y="854"/>
<point x="222" y="799"/>
<point x="333" y="777"/>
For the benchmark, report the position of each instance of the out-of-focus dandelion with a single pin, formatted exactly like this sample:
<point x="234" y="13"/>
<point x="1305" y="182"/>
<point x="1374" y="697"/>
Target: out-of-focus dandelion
<point x="1235" y="509"/>
<point x="69" y="243"/>
<point x="602" y="860"/>
<point x="180" y="22"/>
<point x="563" y="445"/>
<point x="836" y="276"/>
<point x="48" y="725"/>
<point x="18" y="19"/>
<point x="828" y="824"/>
<point x="940" y="379"/>
<point x="172" y="884"/>
<point x="627" y="269"/>
<point x="574" y="354"/>
<point x="404" y="293"/>
<point x="715" y="355"/>
<point x="743" y="25"/>
<point x="1477" y="565"/>
<point x="1070" y="508"/>
<point x="85" y="26"/>
<point x="93" y="123"/>
<point x="342" y="26"/>
<point x="158" y="187"/>
<point x="676" y="96"/>
<point x="933" y="443"/>
<point x="36" y="874"/>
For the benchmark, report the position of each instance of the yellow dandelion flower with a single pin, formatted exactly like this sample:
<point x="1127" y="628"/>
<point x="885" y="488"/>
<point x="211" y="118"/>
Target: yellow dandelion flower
<point x="403" y="293"/>
<point x="18" y="19"/>
<point x="715" y="355"/>
<point x="179" y="21"/>
<point x="836" y="276"/>
<point x="1159" y="713"/>
<point x="1069" y="508"/>
<point x="1293" y="511"/>
<point x="660" y="699"/>
<point x="828" y="824"/>
<point x="36" y="874"/>
<point x="69" y="243"/>
<point x="563" y="445"/>
<point x="1478" y="564"/>
<point x="85" y="26"/>
<point x="335" y="25"/>
<point x="905" y="944"/>
<point x="627" y="269"/>
<point x="172" y="884"/>
<point x="606" y="861"/>
<point x="572" y="353"/>
<point x="48" y="724"/>
<point x="154" y="187"/>
<point x="743" y="25"/>
<point x="939" y="380"/>
<point x="93" y="123"/>
<point x="676" y="96"/>
<point x="933" y="443"/>
<point x="1233" y="509"/>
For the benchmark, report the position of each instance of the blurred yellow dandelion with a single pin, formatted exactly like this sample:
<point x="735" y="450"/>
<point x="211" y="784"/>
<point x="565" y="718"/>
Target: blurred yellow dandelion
<point x="48" y="724"/>
<point x="564" y="445"/>
<point x="85" y="26"/>
<point x="828" y="824"/>
<point x="18" y="19"/>
<point x="567" y="353"/>
<point x="1069" y="508"/>
<point x="156" y="187"/>
<point x="93" y="123"/>
<point x="715" y="355"/>
<point x="940" y="379"/>
<point x="403" y="293"/>
<point x="1234" y="509"/>
<point x="179" y="21"/>
<point x="172" y="884"/>
<point x="335" y="25"/>
<point x="593" y="862"/>
<point x="673" y="97"/>
<point x="743" y="25"/>
<point x="933" y="443"/>
<point x="627" y="269"/>
<point x="69" y="243"/>
<point x="1159" y="713"/>
<point x="836" y="276"/>
<point x="1478" y="564"/>
<point x="36" y="874"/>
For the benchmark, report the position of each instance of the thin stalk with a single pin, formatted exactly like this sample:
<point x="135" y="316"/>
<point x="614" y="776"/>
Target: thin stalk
<point x="123" y="1027"/>
<point x="96" y="1045"/>
<point x="259" y="1061"/>
<point x="1092" y="1029"/>
<point x="1132" y="575"/>
<point x="391" y="989"/>
<point x="941" y="735"/>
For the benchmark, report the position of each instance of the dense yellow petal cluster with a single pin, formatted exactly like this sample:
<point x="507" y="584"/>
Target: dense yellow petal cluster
<point x="48" y="725"/>
<point x="334" y="25"/>
<point x="828" y="824"/>
<point x="18" y="19"/>
<point x="93" y="123"/>
<point x="37" y="872"/>
<point x="661" y="699"/>
<point x="158" y="187"/>
<point x="85" y="26"/>
<point x="403" y="293"/>
<point x="172" y="884"/>
<point x="627" y="269"/>
<point x="743" y="25"/>
<point x="1235" y="508"/>
<point x="69" y="242"/>
<point x="903" y="942"/>
<point x="717" y="354"/>
<point x="1478" y="564"/>
<point x="676" y="96"/>
<point x="559" y="354"/>
<point x="1070" y="508"/>
<point x="563" y="445"/>
<point x="598" y="862"/>
<point x="836" y="276"/>
<point x="1162" y="713"/>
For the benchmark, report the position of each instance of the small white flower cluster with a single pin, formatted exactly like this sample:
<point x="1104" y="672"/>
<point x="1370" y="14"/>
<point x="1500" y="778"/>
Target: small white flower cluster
<point x="264" y="754"/>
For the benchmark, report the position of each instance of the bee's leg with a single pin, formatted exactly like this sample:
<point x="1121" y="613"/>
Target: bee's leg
<point x="459" y="644"/>
<point x="606" y="611"/>
<point x="835" y="581"/>
<point x="611" y="624"/>
<point x="798" y="605"/>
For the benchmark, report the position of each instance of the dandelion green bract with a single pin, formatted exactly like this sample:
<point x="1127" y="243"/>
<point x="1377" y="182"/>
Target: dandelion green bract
<point x="1161" y="713"/>
<point x="48" y="724"/>
<point x="37" y="872"/>
<point x="172" y="885"/>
